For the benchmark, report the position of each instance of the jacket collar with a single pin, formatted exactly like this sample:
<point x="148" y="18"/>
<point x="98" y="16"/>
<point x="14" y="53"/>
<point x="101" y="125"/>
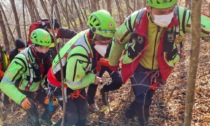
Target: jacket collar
<point x="143" y="26"/>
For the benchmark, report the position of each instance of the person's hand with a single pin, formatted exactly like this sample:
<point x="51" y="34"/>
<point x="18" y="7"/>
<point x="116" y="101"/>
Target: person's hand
<point x="105" y="62"/>
<point x="26" y="104"/>
<point x="98" y="80"/>
<point x="100" y="63"/>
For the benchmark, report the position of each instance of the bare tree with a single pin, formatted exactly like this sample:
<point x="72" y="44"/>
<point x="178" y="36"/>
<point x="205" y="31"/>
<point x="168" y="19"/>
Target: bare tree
<point x="72" y="18"/>
<point x="196" y="28"/>
<point x="188" y="4"/>
<point x="94" y="5"/>
<point x="78" y="13"/>
<point x="135" y="3"/>
<point x="129" y="8"/>
<point x="57" y="11"/>
<point x="17" y="24"/>
<point x="103" y="4"/>
<point x="43" y="3"/>
<point x="83" y="13"/>
<point x="109" y="6"/>
<point x="64" y="13"/>
<point x="70" y="8"/>
<point x="84" y="9"/>
<point x="24" y="20"/>
<point x="4" y="32"/>
<point x="62" y="77"/>
<point x="121" y="17"/>
<point x="8" y="26"/>
<point x="208" y="2"/>
<point x="31" y="11"/>
<point x="36" y="12"/>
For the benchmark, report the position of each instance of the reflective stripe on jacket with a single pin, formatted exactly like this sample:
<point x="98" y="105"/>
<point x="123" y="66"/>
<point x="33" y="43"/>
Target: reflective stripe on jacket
<point x="19" y="68"/>
<point x="76" y="57"/>
<point x="180" y="24"/>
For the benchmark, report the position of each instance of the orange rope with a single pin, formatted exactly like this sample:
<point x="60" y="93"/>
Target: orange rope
<point x="76" y="94"/>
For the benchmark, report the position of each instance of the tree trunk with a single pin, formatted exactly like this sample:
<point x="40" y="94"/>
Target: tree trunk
<point x="135" y="3"/>
<point x="4" y="31"/>
<point x="59" y="57"/>
<point x="78" y="14"/>
<point x="24" y="20"/>
<point x="138" y="3"/>
<point x="103" y="4"/>
<point x="144" y="3"/>
<point x="94" y="5"/>
<point x="8" y="26"/>
<point x="119" y="10"/>
<point x="82" y="10"/>
<point x="128" y="7"/>
<point x="188" y="4"/>
<point x="208" y="2"/>
<point x="57" y="12"/>
<point x="89" y="5"/>
<point x="195" y="45"/>
<point x="64" y="13"/>
<point x="36" y="12"/>
<point x="109" y="6"/>
<point x="31" y="11"/>
<point x="45" y="8"/>
<point x="70" y="8"/>
<point x="66" y="10"/>
<point x="72" y="18"/>
<point x="17" y="24"/>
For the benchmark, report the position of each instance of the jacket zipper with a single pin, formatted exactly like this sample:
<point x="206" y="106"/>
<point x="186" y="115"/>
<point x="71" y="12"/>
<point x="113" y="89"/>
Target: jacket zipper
<point x="153" y="58"/>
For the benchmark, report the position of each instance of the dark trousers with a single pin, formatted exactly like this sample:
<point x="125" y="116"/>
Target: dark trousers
<point x="141" y="81"/>
<point x="76" y="111"/>
<point x="114" y="85"/>
<point x="32" y="113"/>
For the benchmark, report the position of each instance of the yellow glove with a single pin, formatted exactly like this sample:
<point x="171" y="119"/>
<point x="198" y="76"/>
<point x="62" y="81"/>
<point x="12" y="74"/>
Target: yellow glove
<point x="26" y="104"/>
<point x="54" y="100"/>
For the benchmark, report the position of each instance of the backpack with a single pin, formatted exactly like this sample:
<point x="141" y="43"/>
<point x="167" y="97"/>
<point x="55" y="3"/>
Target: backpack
<point x="38" y="24"/>
<point x="4" y="60"/>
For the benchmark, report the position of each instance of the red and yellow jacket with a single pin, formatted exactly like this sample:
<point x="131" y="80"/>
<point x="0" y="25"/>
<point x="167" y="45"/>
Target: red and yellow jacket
<point x="135" y="37"/>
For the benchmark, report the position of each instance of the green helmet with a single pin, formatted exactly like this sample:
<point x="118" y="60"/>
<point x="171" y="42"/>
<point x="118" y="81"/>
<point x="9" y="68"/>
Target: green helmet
<point x="102" y="23"/>
<point x="161" y="3"/>
<point x="41" y="37"/>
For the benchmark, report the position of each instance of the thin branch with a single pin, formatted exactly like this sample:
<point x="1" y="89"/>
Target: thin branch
<point x="59" y="57"/>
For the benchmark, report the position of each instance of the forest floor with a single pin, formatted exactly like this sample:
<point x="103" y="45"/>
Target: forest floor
<point x="168" y="102"/>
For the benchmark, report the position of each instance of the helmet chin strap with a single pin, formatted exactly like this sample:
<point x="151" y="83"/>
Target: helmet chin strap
<point x="92" y="37"/>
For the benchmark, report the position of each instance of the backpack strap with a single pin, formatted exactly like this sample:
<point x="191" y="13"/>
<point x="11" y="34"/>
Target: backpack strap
<point x="79" y="42"/>
<point x="136" y="42"/>
<point x="136" y="22"/>
<point x="26" y="54"/>
<point x="138" y="18"/>
<point x="181" y="14"/>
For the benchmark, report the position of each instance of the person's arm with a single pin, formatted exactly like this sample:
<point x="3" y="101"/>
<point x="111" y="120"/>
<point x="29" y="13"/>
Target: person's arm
<point x="65" y="33"/>
<point x="15" y="70"/>
<point x="104" y="62"/>
<point x="186" y="18"/>
<point x="76" y="75"/>
<point x="122" y="36"/>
